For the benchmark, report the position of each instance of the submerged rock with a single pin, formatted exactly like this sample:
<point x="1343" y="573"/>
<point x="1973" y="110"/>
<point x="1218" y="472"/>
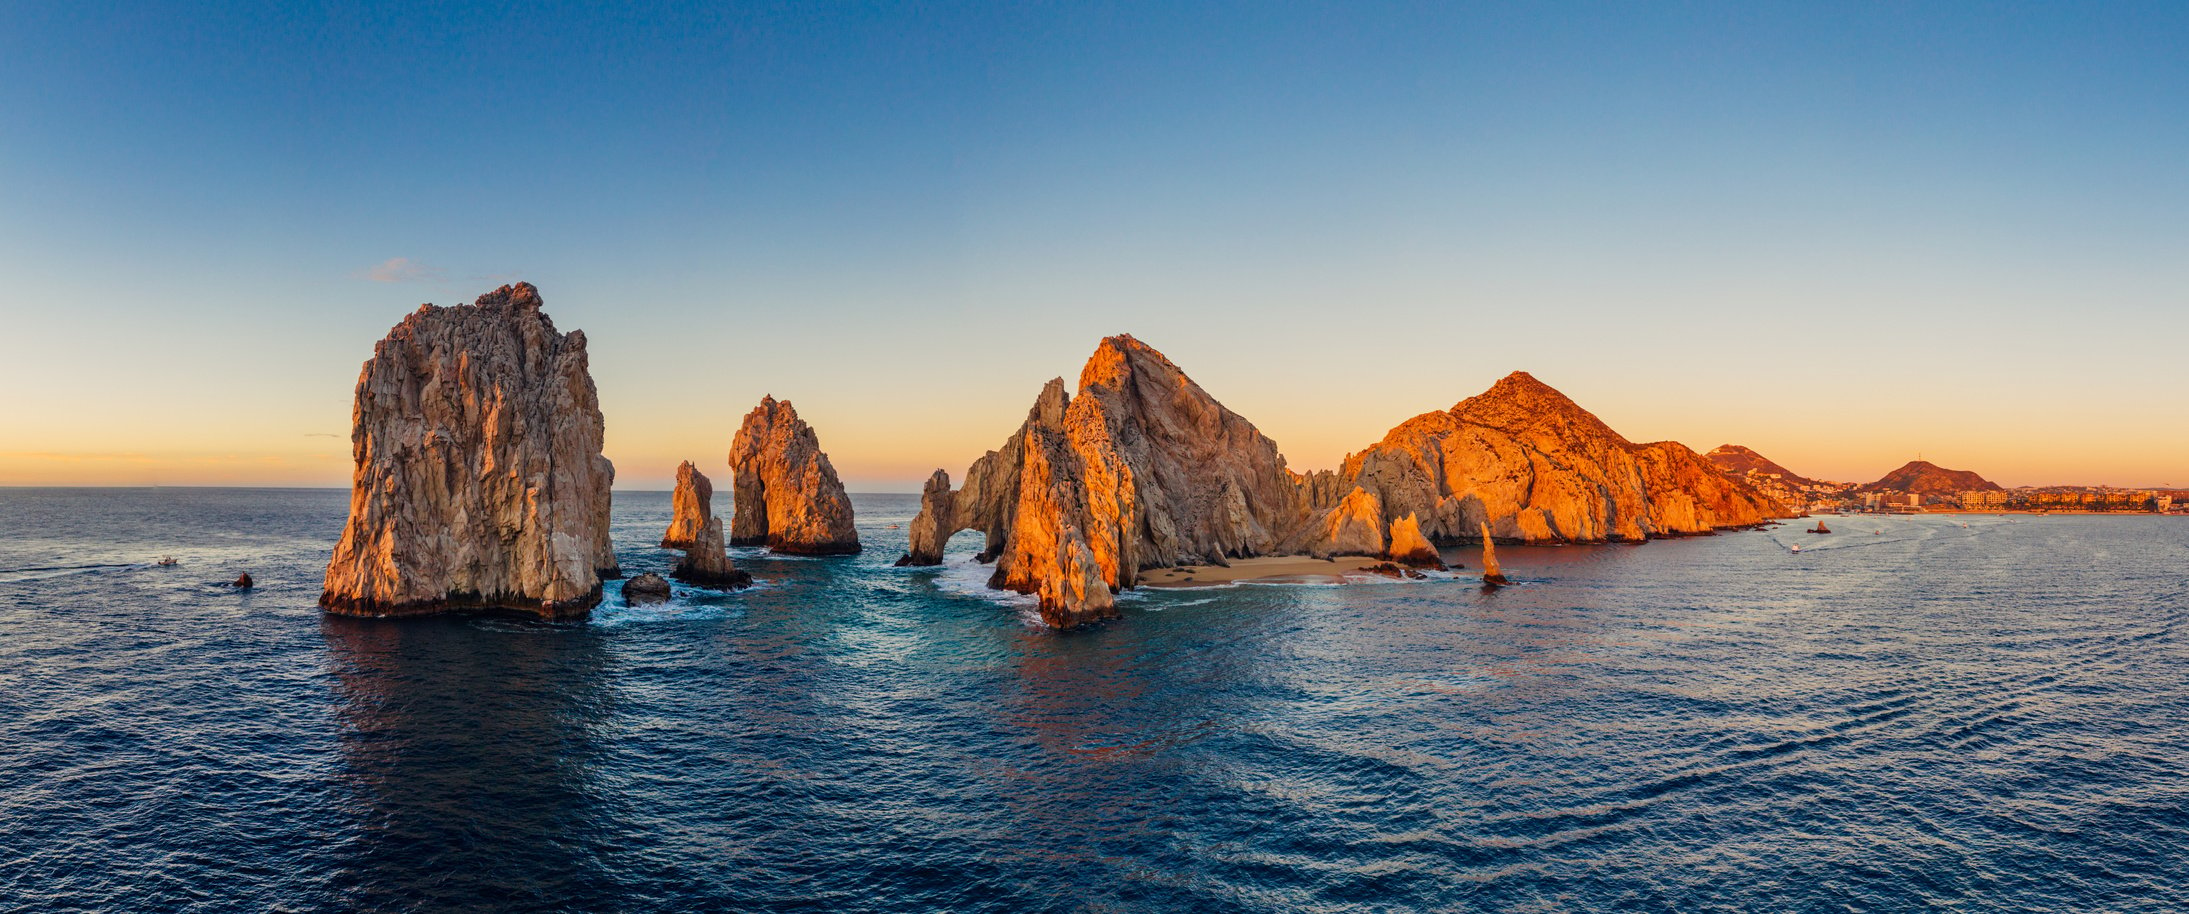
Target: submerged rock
<point x="786" y="494"/>
<point x="479" y="480"/>
<point x="696" y="530"/>
<point x="646" y="588"/>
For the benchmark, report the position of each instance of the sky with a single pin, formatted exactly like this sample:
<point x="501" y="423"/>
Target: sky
<point x="1843" y="234"/>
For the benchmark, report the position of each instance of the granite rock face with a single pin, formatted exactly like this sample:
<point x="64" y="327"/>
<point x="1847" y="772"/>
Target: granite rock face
<point x="1535" y="467"/>
<point x="785" y="491"/>
<point x="695" y="529"/>
<point x="1354" y="526"/>
<point x="479" y="481"/>
<point x="1409" y="547"/>
<point x="1142" y="469"/>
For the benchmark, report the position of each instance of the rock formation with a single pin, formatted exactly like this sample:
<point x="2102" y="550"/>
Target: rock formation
<point x="786" y="494"/>
<point x="1536" y="467"/>
<point x="646" y="588"/>
<point x="1353" y="527"/>
<point x="1409" y="547"/>
<point x="690" y="508"/>
<point x="1142" y="469"/>
<point x="695" y="529"/>
<point x="479" y="480"/>
<point x="1491" y="574"/>
<point x="1922" y="477"/>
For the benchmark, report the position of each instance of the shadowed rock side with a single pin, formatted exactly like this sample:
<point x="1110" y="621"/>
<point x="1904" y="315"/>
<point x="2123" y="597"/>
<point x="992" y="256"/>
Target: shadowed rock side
<point x="695" y="529"/>
<point x="690" y="507"/>
<point x="1535" y="467"/>
<point x="1143" y="468"/>
<point x="785" y="493"/>
<point x="479" y="480"/>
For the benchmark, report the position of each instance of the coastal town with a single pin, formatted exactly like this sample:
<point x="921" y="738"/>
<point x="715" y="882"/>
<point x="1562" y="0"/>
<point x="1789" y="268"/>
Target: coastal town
<point x="1920" y="487"/>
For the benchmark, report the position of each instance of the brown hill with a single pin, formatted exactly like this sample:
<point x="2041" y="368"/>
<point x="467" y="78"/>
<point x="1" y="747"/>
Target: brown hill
<point x="1537" y="467"/>
<point x="1925" y="478"/>
<point x="1740" y="461"/>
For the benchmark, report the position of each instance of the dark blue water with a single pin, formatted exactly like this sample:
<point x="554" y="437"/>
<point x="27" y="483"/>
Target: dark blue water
<point x="1982" y="719"/>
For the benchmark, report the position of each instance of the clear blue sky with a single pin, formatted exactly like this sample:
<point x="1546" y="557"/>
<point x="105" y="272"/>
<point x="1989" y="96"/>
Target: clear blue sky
<point x="1839" y="233"/>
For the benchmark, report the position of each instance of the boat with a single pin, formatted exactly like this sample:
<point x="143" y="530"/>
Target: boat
<point x="1820" y="528"/>
<point x="168" y="561"/>
<point x="1797" y="547"/>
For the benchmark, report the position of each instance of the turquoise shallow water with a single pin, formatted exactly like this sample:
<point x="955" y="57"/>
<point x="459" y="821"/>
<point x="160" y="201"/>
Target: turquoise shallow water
<point x="1981" y="719"/>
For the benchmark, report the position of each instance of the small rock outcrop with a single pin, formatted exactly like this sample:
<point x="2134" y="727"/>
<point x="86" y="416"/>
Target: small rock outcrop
<point x="696" y="530"/>
<point x="786" y="494"/>
<point x="1409" y="547"/>
<point x="479" y="480"/>
<point x="1142" y="469"/>
<point x="1491" y="574"/>
<point x="646" y="588"/>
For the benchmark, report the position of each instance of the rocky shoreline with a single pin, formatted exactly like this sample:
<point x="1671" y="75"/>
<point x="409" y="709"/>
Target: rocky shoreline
<point x="480" y="483"/>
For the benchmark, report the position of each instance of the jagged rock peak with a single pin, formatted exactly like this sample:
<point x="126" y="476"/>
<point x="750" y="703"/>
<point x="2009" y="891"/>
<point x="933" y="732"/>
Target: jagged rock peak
<point x="1142" y="466"/>
<point x="786" y="493"/>
<point x="478" y="480"/>
<point x="1409" y="547"/>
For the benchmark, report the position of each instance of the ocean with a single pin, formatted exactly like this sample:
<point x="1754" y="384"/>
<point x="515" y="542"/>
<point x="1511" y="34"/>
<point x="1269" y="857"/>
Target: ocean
<point x="1905" y="715"/>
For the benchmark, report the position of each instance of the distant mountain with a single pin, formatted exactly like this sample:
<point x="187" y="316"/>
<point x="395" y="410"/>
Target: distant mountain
<point x="1926" y="478"/>
<point x="1740" y="461"/>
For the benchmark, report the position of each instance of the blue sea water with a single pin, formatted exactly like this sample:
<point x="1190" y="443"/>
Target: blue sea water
<point x="1992" y="718"/>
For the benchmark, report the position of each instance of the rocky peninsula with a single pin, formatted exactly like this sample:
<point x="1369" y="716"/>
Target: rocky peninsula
<point x="785" y="493"/>
<point x="1143" y="470"/>
<point x="1535" y="467"/>
<point x="479" y="481"/>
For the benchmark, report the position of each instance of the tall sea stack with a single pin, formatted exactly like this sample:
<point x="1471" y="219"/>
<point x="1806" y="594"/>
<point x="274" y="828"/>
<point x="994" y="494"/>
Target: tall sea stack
<point x="479" y="480"/>
<point x="695" y="529"/>
<point x="786" y="494"/>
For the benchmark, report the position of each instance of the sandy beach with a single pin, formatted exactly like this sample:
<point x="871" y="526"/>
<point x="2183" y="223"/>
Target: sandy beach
<point x="1289" y="569"/>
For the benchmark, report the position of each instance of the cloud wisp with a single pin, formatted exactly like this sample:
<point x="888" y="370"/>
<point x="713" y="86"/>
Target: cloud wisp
<point x="400" y="269"/>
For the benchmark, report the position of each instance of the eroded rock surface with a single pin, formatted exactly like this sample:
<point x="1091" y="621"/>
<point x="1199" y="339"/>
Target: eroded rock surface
<point x="1536" y="467"/>
<point x="479" y="480"/>
<point x="1409" y="547"/>
<point x="1142" y="467"/>
<point x="696" y="529"/>
<point x="786" y="494"/>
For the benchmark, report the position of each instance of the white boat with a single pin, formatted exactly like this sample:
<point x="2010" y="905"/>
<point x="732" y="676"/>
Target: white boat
<point x="1797" y="547"/>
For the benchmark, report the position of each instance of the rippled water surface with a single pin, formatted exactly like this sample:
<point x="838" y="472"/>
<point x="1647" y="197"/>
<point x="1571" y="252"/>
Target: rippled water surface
<point x="1980" y="719"/>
